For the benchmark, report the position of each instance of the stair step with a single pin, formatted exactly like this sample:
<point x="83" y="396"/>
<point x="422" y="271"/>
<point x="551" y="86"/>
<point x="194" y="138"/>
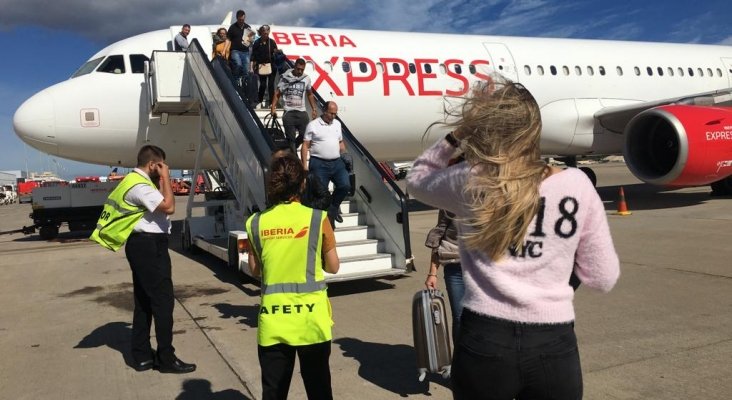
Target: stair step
<point x="349" y="219"/>
<point x="349" y="206"/>
<point x="350" y="233"/>
<point x="357" y="248"/>
<point x="365" y="263"/>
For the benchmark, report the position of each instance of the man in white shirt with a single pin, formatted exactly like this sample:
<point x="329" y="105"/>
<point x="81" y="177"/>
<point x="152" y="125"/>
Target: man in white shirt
<point x="147" y="253"/>
<point x="181" y="39"/>
<point x="328" y="157"/>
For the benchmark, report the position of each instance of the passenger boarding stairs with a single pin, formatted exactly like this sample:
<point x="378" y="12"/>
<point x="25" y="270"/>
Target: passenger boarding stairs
<point x="372" y="240"/>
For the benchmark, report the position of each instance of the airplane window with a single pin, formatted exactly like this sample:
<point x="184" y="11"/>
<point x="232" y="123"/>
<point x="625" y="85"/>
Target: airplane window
<point x="670" y="71"/>
<point x="691" y="71"/>
<point x="565" y="70"/>
<point x="700" y="71"/>
<point x="578" y="70"/>
<point x="553" y="69"/>
<point x="363" y="67"/>
<point x="540" y="70"/>
<point x="660" y="71"/>
<point x="709" y="72"/>
<point x="328" y="66"/>
<point x="346" y="67"/>
<point x="719" y="72"/>
<point x="458" y="68"/>
<point x="471" y="68"/>
<point x="113" y="65"/>
<point x="681" y="71"/>
<point x="427" y="68"/>
<point x="637" y="71"/>
<point x="527" y="70"/>
<point x="87" y="67"/>
<point x="380" y="67"/>
<point x="649" y="70"/>
<point x="137" y="63"/>
<point x="619" y="70"/>
<point x="412" y="68"/>
<point x="396" y="67"/>
<point x="590" y="71"/>
<point x="602" y="70"/>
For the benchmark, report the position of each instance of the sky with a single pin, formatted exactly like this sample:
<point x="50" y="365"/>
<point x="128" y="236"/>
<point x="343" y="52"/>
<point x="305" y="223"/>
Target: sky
<point x="45" y="42"/>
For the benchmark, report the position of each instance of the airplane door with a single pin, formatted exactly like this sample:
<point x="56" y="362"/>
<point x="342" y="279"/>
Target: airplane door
<point x="728" y="69"/>
<point x="502" y="60"/>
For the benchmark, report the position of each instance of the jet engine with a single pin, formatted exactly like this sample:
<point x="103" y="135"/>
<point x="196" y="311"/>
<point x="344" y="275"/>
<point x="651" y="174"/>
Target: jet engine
<point x="680" y="145"/>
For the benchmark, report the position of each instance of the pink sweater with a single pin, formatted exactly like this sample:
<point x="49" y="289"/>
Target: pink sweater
<point x="530" y="287"/>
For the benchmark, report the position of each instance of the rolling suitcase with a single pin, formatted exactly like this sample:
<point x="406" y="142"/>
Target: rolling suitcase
<point x="431" y="333"/>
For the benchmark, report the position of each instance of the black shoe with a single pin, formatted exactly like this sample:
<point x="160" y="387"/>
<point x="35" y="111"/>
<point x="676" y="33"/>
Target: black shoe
<point x="176" y="367"/>
<point x="144" y="365"/>
<point x="338" y="217"/>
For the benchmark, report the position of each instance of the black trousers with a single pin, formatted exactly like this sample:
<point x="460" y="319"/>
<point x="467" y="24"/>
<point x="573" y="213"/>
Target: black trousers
<point x="153" y="289"/>
<point x="267" y="82"/>
<point x="294" y="120"/>
<point x="277" y="363"/>
<point x="504" y="360"/>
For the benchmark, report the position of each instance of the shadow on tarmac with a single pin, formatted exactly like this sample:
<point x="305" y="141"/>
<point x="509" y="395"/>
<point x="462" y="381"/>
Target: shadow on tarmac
<point x="220" y="270"/>
<point x="115" y="335"/>
<point x="248" y="314"/>
<point x="641" y="196"/>
<point x="391" y="367"/>
<point x="194" y="389"/>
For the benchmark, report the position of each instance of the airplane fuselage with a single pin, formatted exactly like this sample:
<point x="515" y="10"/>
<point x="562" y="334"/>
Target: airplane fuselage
<point x="390" y="87"/>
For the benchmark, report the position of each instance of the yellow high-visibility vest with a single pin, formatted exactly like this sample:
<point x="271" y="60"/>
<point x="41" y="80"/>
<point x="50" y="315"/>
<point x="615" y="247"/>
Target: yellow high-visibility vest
<point x="288" y="242"/>
<point x="119" y="217"/>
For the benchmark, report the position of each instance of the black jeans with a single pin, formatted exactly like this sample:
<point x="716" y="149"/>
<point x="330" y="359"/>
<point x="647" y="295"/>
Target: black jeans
<point x="267" y="82"/>
<point x="277" y="363"/>
<point x="498" y="359"/>
<point x="294" y="120"/>
<point x="153" y="289"/>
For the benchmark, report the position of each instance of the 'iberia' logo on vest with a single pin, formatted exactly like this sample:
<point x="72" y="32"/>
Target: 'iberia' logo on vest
<point x="284" y="233"/>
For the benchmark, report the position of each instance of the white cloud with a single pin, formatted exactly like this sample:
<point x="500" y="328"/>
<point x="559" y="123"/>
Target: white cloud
<point x="727" y="41"/>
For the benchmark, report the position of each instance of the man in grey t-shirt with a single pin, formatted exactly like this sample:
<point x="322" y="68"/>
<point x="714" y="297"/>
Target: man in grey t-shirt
<point x="181" y="39"/>
<point x="295" y="86"/>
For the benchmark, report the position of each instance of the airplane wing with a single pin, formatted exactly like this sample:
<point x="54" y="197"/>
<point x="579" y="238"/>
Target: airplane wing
<point x="614" y="119"/>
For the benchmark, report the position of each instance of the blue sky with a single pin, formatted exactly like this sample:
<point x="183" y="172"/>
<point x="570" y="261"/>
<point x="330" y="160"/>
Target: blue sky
<point x="45" y="42"/>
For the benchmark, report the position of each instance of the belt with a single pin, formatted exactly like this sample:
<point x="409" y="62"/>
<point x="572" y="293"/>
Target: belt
<point x="324" y="159"/>
<point x="149" y="234"/>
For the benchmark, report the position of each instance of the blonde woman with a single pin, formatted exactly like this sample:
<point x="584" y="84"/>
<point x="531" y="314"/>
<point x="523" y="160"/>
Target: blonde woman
<point x="221" y="45"/>
<point x="524" y="228"/>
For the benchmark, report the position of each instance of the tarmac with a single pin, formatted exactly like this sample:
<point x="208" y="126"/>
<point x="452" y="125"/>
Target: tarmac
<point x="664" y="332"/>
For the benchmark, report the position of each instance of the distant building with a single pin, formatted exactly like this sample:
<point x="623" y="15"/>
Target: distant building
<point x="17" y="173"/>
<point x="8" y="178"/>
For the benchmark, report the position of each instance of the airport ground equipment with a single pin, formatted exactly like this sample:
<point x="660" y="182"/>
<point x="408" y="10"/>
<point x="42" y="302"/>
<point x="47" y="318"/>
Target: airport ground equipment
<point x="373" y="240"/>
<point x="77" y="204"/>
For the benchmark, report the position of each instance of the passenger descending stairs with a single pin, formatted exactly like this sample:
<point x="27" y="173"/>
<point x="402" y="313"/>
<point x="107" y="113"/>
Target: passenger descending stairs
<point x="360" y="251"/>
<point x="372" y="240"/>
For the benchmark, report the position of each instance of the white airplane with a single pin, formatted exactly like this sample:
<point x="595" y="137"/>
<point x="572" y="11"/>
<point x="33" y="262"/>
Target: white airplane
<point x="665" y="107"/>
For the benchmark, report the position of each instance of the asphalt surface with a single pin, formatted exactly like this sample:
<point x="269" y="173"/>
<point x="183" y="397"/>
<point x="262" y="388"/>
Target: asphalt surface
<point x="664" y="332"/>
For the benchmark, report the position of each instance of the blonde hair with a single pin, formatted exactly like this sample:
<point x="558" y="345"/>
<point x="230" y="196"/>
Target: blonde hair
<point x="499" y="126"/>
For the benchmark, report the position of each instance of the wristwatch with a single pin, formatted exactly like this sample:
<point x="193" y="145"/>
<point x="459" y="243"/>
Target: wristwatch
<point x="452" y="140"/>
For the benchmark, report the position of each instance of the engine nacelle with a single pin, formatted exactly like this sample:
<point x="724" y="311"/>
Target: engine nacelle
<point x="680" y="145"/>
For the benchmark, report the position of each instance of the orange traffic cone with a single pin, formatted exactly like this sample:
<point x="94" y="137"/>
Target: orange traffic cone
<point x="622" y="206"/>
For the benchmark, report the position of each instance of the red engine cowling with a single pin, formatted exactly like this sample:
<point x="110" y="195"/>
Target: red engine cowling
<point x="680" y="145"/>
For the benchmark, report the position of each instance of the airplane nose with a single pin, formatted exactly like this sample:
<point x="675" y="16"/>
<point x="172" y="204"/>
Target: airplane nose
<point x="33" y="122"/>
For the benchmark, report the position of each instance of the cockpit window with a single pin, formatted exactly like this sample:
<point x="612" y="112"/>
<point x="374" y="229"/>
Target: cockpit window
<point x="87" y="67"/>
<point x="113" y="65"/>
<point x="137" y="63"/>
